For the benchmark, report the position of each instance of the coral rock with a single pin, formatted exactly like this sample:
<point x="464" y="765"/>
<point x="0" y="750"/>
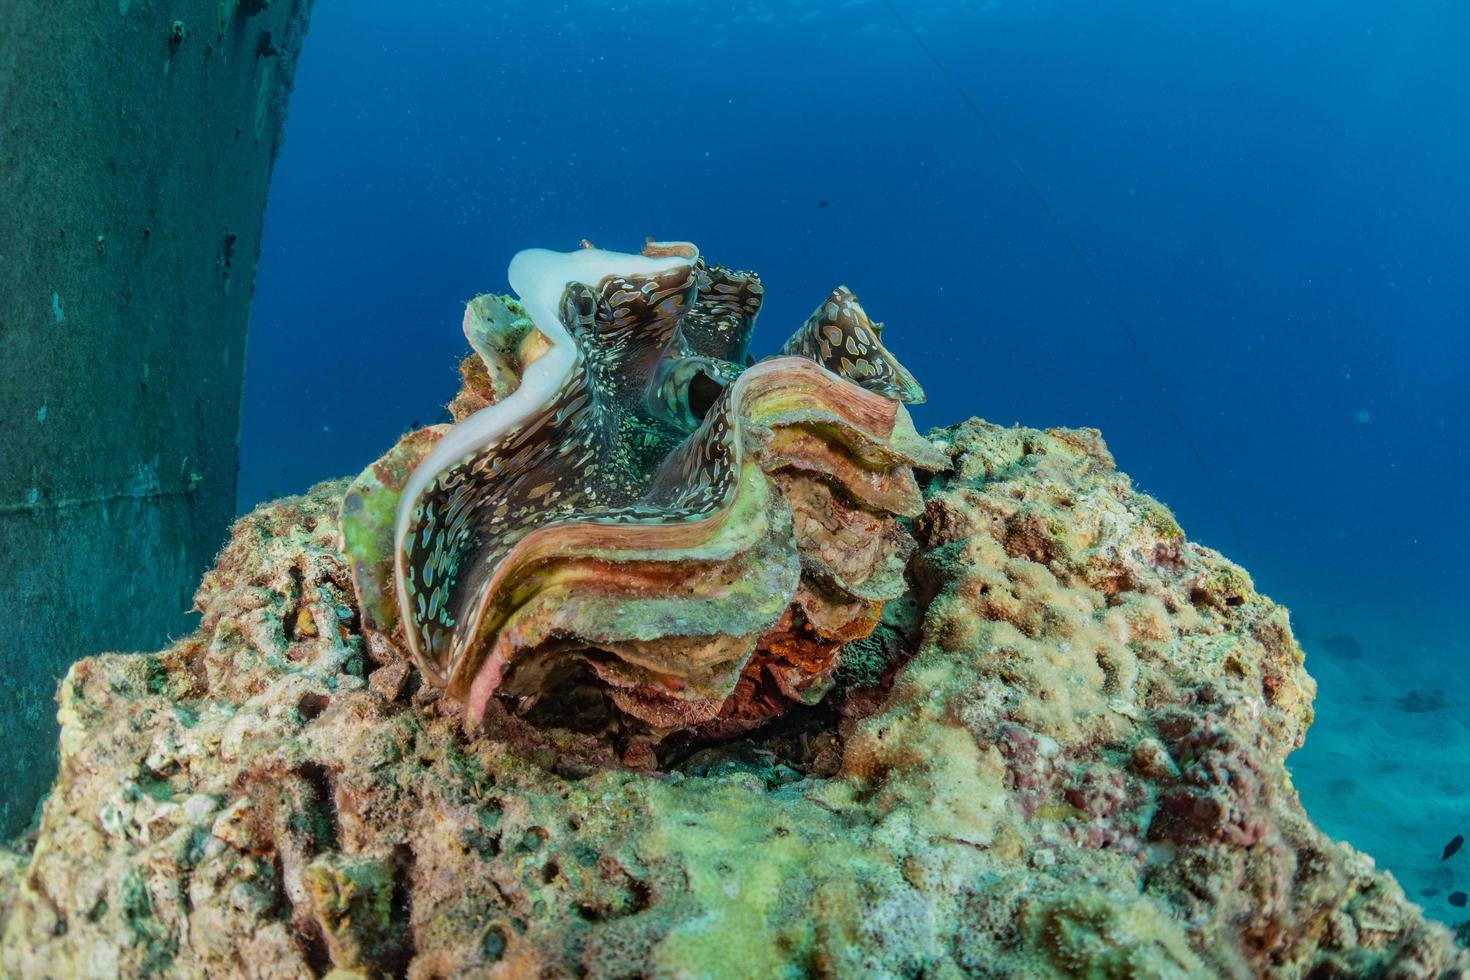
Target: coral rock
<point x="1061" y="755"/>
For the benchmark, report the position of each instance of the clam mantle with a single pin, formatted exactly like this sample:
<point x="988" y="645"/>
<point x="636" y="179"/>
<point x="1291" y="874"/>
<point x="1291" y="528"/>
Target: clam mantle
<point x="631" y="527"/>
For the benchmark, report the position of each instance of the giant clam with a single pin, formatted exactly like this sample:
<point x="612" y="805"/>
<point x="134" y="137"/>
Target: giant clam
<point x="627" y="504"/>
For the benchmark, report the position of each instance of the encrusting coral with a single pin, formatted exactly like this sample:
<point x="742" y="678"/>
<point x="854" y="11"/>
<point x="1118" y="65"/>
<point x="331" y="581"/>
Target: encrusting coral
<point x="1060" y="756"/>
<point x="626" y="512"/>
<point x="1059" y="752"/>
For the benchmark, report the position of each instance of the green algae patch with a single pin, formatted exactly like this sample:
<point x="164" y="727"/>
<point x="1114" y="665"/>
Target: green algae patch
<point x="353" y="901"/>
<point x="368" y="516"/>
<point x="753" y="861"/>
<point x="1158" y="517"/>
<point x="1093" y="934"/>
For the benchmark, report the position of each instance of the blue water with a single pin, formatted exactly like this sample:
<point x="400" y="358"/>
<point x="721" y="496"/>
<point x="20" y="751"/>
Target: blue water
<point x="1274" y="195"/>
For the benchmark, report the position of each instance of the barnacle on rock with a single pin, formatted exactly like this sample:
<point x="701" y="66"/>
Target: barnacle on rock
<point x="628" y="513"/>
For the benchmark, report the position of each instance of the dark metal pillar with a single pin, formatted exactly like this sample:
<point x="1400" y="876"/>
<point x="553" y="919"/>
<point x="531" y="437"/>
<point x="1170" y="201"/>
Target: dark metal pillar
<point x="136" y="144"/>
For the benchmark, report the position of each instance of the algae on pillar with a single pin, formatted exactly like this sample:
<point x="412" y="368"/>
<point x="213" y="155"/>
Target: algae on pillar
<point x="136" y="144"/>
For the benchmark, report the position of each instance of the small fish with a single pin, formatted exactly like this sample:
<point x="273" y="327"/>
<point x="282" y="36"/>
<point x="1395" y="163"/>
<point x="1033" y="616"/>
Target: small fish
<point x="1453" y="847"/>
<point x="822" y="204"/>
<point x="1458" y="899"/>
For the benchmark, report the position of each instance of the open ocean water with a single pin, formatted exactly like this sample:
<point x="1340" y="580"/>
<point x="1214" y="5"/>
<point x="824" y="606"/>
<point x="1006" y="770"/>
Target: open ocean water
<point x="1273" y="197"/>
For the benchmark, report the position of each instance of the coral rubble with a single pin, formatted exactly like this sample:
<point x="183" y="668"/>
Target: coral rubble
<point x="1061" y="755"/>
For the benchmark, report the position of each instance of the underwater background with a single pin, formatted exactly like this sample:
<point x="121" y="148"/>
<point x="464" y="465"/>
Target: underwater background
<point x="1271" y="196"/>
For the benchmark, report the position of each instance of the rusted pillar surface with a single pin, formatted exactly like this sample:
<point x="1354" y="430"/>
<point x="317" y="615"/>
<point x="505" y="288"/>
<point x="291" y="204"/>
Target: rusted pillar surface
<point x="136" y="144"/>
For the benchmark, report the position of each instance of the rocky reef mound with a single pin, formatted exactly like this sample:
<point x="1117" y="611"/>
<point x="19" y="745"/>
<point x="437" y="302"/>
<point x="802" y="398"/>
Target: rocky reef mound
<point x="1061" y="755"/>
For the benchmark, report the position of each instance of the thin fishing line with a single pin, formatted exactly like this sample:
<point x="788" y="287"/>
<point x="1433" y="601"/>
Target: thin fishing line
<point x="1102" y="290"/>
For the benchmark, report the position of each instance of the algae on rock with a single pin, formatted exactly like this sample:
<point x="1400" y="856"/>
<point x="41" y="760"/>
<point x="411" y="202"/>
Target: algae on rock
<point x="1072" y="766"/>
<point x="138" y="144"/>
